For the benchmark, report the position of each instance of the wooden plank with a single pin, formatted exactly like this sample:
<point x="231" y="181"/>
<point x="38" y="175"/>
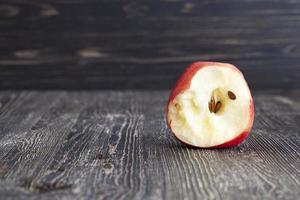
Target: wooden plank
<point x="108" y="164"/>
<point x="145" y="44"/>
<point x="6" y="98"/>
<point x="17" y="110"/>
<point x="116" y="145"/>
<point x="26" y="155"/>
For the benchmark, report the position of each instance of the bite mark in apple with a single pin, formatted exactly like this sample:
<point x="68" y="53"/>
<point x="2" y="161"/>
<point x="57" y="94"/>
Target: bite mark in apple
<point x="210" y="106"/>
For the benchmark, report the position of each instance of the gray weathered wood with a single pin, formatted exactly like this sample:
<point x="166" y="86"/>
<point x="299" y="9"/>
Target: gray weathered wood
<point x="116" y="145"/>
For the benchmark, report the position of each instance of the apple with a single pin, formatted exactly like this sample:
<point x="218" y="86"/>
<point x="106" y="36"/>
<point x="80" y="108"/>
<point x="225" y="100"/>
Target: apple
<point x="210" y="106"/>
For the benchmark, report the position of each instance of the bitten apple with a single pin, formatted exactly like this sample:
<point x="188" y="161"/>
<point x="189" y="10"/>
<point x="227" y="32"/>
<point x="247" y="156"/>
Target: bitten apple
<point x="211" y="106"/>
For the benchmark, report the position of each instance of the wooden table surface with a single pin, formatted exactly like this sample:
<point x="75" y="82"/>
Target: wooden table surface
<point x="116" y="145"/>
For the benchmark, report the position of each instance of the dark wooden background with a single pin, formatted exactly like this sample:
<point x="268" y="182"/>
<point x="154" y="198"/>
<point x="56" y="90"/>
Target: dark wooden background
<point x="145" y="44"/>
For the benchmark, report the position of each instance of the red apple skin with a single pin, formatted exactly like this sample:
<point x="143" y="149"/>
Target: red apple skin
<point x="183" y="83"/>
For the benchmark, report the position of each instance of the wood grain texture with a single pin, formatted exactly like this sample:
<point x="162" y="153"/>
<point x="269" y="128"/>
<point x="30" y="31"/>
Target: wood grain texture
<point x="116" y="145"/>
<point x="145" y="44"/>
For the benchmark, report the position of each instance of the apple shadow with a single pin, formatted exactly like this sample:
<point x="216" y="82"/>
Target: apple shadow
<point x="256" y="144"/>
<point x="259" y="142"/>
<point x="169" y="141"/>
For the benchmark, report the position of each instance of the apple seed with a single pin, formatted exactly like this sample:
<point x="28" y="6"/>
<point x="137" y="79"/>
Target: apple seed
<point x="218" y="106"/>
<point x="231" y="95"/>
<point x="212" y="104"/>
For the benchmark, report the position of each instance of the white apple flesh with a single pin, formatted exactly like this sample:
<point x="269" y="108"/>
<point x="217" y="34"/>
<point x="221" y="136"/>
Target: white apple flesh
<point x="211" y="106"/>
